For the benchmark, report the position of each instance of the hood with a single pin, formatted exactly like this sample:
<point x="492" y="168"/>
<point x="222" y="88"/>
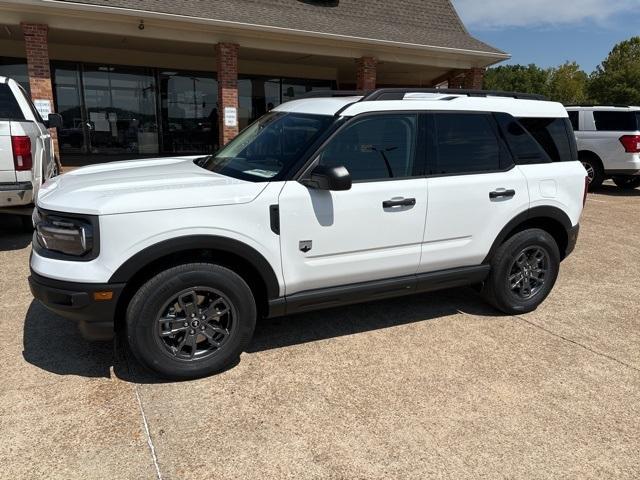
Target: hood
<point x="143" y="185"/>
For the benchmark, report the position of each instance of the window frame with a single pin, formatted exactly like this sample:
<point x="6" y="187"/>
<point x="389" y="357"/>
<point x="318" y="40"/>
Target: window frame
<point x="433" y="153"/>
<point x="419" y="150"/>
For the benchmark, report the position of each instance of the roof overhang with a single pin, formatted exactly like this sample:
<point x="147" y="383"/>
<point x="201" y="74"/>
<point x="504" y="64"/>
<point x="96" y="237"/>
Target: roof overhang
<point x="246" y="34"/>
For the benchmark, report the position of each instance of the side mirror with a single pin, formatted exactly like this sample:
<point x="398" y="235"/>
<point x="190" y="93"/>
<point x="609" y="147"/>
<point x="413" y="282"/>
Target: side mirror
<point x="53" y="121"/>
<point x="328" y="178"/>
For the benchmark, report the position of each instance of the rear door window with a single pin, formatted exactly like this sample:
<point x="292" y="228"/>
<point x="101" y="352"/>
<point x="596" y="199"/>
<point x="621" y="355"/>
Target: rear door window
<point x="467" y="143"/>
<point x="574" y="117"/>
<point x="554" y="135"/>
<point x="9" y="108"/>
<point x="616" y="121"/>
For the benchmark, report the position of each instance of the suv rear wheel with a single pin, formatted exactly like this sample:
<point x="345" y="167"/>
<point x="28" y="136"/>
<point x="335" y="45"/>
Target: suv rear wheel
<point x="191" y="320"/>
<point x="595" y="171"/>
<point x="523" y="272"/>
<point x="627" y="182"/>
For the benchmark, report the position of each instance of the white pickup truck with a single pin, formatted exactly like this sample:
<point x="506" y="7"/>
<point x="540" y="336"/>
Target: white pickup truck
<point x="27" y="157"/>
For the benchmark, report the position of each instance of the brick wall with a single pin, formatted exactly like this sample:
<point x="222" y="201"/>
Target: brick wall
<point x="35" y="39"/>
<point x="473" y="78"/>
<point x="227" y="67"/>
<point x="366" y="70"/>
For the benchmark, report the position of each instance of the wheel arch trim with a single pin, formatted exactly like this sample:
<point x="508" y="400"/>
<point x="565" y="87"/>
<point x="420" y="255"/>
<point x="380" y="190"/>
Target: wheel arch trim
<point x="540" y="212"/>
<point x="217" y="243"/>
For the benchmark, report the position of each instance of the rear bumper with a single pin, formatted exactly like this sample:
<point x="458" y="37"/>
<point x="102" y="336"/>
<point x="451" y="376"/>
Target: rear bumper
<point x="16" y="194"/>
<point x="76" y="302"/>
<point x="572" y="239"/>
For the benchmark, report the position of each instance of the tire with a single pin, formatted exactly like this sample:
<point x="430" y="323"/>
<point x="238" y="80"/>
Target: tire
<point x="26" y="223"/>
<point x="507" y="265"/>
<point x="198" y="346"/>
<point x="595" y="171"/>
<point x="627" y="182"/>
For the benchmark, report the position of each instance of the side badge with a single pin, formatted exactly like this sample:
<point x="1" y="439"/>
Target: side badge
<point x="305" y="245"/>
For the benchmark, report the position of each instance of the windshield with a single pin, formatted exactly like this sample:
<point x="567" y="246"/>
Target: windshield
<point x="268" y="147"/>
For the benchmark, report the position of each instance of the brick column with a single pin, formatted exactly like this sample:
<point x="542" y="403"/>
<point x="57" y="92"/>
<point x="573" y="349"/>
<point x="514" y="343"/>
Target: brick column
<point x="35" y="40"/>
<point x="227" y="63"/>
<point x="473" y="78"/>
<point x="366" y="69"/>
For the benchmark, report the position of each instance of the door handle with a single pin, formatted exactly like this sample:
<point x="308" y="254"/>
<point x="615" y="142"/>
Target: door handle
<point x="399" y="202"/>
<point x="501" y="192"/>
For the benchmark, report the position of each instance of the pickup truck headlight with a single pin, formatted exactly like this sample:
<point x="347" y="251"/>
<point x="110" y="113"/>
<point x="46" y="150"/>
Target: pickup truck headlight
<point x="71" y="236"/>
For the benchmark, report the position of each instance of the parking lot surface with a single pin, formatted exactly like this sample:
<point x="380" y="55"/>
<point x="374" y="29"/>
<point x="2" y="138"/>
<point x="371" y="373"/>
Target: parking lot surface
<point x="432" y="386"/>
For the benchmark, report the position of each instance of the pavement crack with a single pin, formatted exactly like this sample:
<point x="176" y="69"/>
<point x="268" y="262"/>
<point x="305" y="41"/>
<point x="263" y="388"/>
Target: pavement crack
<point x="152" y="448"/>
<point x="581" y="345"/>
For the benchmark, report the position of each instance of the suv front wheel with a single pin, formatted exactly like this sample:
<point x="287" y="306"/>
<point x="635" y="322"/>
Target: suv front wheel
<point x="191" y="320"/>
<point x="523" y="272"/>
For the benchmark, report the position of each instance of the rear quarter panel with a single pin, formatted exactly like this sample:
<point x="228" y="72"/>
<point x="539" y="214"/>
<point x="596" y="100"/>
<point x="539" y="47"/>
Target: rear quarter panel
<point x="559" y="184"/>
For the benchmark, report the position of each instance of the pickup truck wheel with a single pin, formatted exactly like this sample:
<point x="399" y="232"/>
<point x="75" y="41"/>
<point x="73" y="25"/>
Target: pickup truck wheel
<point x="595" y="171"/>
<point x="27" y="223"/>
<point x="627" y="182"/>
<point x="191" y="320"/>
<point x="523" y="272"/>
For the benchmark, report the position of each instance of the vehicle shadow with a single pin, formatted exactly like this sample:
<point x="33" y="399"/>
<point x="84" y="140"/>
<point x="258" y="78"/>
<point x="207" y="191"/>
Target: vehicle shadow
<point x="613" y="191"/>
<point x="55" y="345"/>
<point x="12" y="236"/>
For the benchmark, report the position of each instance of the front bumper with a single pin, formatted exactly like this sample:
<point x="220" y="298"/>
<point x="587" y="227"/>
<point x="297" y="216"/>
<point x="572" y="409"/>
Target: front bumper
<point x="78" y="302"/>
<point x="16" y="194"/>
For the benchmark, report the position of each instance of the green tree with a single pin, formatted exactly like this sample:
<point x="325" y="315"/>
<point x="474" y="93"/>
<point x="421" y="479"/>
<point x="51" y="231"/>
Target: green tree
<point x="517" y="78"/>
<point x="617" y="79"/>
<point x="567" y="84"/>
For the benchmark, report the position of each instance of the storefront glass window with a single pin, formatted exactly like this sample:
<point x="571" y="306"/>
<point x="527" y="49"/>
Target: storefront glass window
<point x="189" y="112"/>
<point x="15" y="68"/>
<point x="256" y="96"/>
<point x="121" y="110"/>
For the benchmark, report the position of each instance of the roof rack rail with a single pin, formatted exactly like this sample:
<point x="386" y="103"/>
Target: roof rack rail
<point x="399" y="93"/>
<point x="616" y="105"/>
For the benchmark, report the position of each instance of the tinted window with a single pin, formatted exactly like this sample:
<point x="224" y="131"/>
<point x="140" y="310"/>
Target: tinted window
<point x="524" y="147"/>
<point x="269" y="147"/>
<point x="553" y="135"/>
<point x="374" y="148"/>
<point x="9" y="108"/>
<point x="466" y="143"/>
<point x="574" y="118"/>
<point x="617" y="121"/>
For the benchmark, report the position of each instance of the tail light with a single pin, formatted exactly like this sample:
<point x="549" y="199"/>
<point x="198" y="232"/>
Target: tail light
<point x="586" y="189"/>
<point x="22" y="158"/>
<point x="631" y="143"/>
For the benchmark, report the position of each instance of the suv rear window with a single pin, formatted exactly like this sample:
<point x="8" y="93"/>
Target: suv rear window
<point x="554" y="135"/>
<point x="617" y="121"/>
<point x="9" y="108"/>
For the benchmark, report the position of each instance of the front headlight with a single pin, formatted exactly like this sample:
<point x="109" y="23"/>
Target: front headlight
<point x="71" y="236"/>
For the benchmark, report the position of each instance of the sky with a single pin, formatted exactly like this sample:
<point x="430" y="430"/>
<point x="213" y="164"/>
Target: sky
<point x="550" y="32"/>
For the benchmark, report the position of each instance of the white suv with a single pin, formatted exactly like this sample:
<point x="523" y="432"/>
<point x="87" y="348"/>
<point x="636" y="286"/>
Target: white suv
<point x="322" y="202"/>
<point x="608" y="143"/>
<point x="26" y="150"/>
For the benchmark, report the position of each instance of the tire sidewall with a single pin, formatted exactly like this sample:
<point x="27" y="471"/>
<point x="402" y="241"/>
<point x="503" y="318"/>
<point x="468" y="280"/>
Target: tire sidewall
<point x="143" y="313"/>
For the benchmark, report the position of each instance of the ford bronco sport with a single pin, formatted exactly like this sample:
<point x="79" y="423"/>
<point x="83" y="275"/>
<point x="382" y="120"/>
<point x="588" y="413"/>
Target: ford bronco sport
<point x="322" y="202"/>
